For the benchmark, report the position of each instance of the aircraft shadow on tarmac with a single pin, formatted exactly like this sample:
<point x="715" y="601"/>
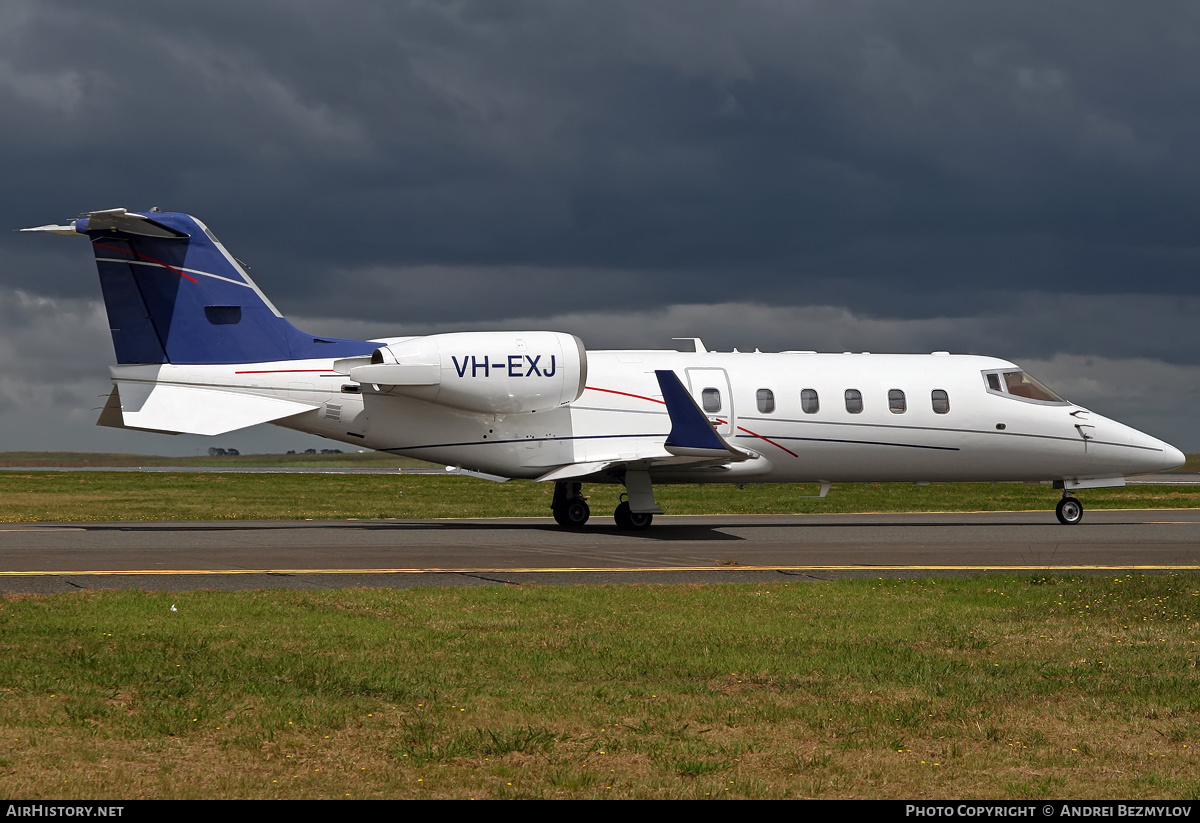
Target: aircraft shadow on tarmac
<point x="659" y="532"/>
<point x="680" y="532"/>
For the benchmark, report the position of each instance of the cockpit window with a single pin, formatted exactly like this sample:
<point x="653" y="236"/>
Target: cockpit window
<point x="1020" y="385"/>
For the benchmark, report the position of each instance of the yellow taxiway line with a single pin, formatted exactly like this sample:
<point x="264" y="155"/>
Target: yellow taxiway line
<point x="617" y="569"/>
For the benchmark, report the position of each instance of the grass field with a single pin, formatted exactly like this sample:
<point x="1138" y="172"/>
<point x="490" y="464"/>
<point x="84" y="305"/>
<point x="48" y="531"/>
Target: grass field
<point x="42" y="496"/>
<point x="1008" y="687"/>
<point x="991" y="687"/>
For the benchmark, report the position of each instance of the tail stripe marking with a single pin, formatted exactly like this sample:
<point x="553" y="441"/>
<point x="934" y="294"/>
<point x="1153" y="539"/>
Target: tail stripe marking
<point x="190" y="271"/>
<point x="144" y="257"/>
<point x="769" y="440"/>
<point x="290" y="371"/>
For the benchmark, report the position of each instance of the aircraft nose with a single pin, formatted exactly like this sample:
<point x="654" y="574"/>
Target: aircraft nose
<point x="1172" y="457"/>
<point x="1160" y="456"/>
<point x="1147" y="455"/>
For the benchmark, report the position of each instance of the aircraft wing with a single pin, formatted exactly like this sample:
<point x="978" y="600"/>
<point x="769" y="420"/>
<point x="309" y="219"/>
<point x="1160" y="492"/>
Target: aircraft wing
<point x="692" y="442"/>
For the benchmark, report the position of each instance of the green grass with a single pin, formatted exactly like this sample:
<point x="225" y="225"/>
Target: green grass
<point x="999" y="686"/>
<point x="41" y="496"/>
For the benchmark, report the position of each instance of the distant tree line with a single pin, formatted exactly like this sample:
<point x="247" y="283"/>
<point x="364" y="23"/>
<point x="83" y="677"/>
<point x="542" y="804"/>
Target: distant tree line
<point x="216" y="452"/>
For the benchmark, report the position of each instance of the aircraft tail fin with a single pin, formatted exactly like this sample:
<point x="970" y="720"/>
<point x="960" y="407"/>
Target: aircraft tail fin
<point x="174" y="294"/>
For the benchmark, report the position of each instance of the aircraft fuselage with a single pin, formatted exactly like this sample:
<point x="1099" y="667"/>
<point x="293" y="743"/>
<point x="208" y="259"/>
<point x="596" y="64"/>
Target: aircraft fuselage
<point x="967" y="433"/>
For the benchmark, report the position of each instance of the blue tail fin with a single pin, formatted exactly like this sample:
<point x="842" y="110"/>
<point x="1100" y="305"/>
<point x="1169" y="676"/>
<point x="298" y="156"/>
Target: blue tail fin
<point x="175" y="295"/>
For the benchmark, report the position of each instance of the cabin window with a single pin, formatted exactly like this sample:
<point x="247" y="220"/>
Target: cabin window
<point x="941" y="401"/>
<point x="766" y="401"/>
<point x="809" y="402"/>
<point x="897" y="403"/>
<point x="854" y="401"/>
<point x="711" y="400"/>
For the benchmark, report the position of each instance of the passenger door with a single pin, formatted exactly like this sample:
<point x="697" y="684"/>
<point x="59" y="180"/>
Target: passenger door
<point x="711" y="391"/>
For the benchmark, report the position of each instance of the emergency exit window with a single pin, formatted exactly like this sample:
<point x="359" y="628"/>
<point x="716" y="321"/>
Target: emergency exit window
<point x="711" y="400"/>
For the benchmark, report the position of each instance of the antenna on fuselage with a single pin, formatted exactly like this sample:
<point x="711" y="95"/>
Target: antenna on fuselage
<point x="695" y="340"/>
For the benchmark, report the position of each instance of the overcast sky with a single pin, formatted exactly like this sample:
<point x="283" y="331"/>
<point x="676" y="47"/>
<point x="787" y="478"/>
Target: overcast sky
<point x="1019" y="179"/>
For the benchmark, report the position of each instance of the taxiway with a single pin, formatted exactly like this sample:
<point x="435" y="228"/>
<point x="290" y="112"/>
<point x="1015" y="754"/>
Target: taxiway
<point x="180" y="555"/>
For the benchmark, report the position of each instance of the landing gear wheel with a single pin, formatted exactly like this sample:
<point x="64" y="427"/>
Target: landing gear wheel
<point x="569" y="506"/>
<point x="574" y="514"/>
<point x="1069" y="511"/>
<point x="631" y="521"/>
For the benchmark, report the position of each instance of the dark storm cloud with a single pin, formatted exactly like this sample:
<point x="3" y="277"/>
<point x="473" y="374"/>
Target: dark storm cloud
<point x="807" y="148"/>
<point x="1015" y="178"/>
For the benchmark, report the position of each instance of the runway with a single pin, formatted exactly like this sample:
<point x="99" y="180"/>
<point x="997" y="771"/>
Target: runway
<point x="228" y="555"/>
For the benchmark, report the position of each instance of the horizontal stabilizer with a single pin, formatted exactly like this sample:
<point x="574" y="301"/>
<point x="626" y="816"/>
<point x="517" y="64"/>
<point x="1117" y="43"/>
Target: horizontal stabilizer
<point x="53" y="229"/>
<point x="110" y="415"/>
<point x="692" y="435"/>
<point x="191" y="410"/>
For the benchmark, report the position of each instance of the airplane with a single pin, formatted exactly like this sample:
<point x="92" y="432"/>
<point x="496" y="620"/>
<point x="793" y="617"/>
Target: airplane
<point x="201" y="350"/>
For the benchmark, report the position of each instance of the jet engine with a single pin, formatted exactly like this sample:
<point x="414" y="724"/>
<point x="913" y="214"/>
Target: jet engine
<point x="490" y="372"/>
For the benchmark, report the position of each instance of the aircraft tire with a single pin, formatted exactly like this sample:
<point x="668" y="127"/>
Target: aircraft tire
<point x="1069" y="511"/>
<point x="631" y="521"/>
<point x="574" y="514"/>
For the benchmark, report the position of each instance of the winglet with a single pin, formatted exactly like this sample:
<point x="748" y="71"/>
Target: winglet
<point x="691" y="433"/>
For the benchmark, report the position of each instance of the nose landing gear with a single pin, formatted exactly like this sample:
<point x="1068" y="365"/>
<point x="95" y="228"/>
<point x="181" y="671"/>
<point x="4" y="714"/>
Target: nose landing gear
<point x="1069" y="510"/>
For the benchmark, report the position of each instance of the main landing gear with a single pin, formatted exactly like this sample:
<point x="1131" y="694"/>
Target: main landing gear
<point x="571" y="510"/>
<point x="569" y="506"/>
<point x="1069" y="510"/>
<point x="631" y="521"/>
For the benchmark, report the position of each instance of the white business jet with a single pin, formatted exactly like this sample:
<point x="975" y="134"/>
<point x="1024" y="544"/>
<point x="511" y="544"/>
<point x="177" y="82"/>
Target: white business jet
<point x="201" y="350"/>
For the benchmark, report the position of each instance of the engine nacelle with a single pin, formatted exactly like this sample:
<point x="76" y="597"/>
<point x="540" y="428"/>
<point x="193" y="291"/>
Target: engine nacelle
<point x="490" y="372"/>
